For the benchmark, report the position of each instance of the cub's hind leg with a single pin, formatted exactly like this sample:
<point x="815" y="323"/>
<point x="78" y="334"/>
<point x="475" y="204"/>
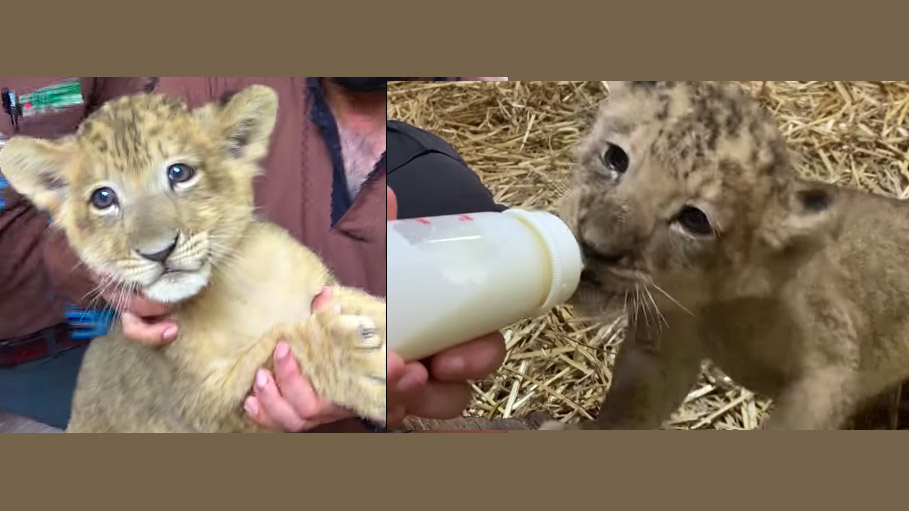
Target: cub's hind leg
<point x="821" y="399"/>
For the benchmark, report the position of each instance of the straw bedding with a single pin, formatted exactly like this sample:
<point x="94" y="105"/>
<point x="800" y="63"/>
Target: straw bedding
<point x="519" y="136"/>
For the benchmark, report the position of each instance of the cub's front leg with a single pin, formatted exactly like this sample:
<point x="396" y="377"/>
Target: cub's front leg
<point x="824" y="391"/>
<point x="654" y="370"/>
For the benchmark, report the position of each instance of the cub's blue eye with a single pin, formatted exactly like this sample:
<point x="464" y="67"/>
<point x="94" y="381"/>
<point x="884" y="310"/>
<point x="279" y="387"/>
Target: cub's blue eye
<point x="180" y="173"/>
<point x="103" y="198"/>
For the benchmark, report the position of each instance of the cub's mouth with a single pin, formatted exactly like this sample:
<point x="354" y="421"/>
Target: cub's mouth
<point x="177" y="284"/>
<point x="588" y="276"/>
<point x="606" y="282"/>
<point x="611" y="276"/>
<point x="603" y="287"/>
<point x="608" y="272"/>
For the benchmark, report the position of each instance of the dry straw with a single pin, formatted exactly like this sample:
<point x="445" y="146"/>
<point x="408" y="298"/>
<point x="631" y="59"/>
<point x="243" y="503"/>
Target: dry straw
<point x="519" y="137"/>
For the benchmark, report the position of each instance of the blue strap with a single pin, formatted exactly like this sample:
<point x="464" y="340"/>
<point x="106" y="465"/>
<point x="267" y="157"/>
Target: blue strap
<point x="88" y="323"/>
<point x="3" y="187"/>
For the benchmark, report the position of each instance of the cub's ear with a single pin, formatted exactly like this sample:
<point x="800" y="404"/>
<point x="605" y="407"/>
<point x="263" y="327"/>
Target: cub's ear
<point x="34" y="167"/>
<point x="619" y="88"/>
<point x="243" y="121"/>
<point x="807" y="214"/>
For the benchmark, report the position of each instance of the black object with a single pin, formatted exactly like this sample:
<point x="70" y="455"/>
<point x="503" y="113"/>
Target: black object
<point x="366" y="84"/>
<point x="11" y="107"/>
<point x="373" y="428"/>
<point x="429" y="177"/>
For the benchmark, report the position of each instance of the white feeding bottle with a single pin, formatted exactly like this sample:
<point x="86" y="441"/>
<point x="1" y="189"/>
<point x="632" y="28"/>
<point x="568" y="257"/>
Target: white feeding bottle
<point x="454" y="278"/>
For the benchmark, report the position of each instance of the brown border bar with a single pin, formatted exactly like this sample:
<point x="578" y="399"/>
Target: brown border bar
<point x="610" y="470"/>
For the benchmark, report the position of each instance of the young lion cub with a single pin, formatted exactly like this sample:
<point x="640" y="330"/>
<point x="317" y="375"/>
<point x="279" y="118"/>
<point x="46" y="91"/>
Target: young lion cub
<point x="158" y="199"/>
<point x="687" y="208"/>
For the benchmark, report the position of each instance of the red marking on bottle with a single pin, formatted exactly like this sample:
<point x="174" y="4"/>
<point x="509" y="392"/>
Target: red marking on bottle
<point x="465" y="218"/>
<point x="423" y="221"/>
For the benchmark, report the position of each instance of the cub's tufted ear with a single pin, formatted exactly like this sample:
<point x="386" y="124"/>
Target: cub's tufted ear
<point x="618" y="88"/>
<point x="805" y="215"/>
<point x="243" y="121"/>
<point x="35" y="168"/>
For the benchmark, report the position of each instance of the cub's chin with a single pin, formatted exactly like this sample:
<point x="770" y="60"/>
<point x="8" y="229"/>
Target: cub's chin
<point x="177" y="286"/>
<point x="593" y="301"/>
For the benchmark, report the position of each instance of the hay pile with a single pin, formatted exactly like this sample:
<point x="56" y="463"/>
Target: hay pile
<point x="519" y="136"/>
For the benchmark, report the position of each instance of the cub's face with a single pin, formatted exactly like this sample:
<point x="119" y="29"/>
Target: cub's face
<point x="152" y="195"/>
<point x="681" y="191"/>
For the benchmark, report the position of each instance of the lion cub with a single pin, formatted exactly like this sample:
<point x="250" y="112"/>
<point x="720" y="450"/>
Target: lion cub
<point x="157" y="198"/>
<point x="689" y="211"/>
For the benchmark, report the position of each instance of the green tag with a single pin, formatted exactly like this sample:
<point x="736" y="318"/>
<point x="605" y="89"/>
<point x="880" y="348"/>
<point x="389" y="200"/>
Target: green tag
<point x="52" y="98"/>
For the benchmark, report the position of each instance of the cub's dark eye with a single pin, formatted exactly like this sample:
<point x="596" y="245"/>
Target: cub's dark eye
<point x="180" y="173"/>
<point x="616" y="159"/>
<point x="103" y="198"/>
<point x="695" y="221"/>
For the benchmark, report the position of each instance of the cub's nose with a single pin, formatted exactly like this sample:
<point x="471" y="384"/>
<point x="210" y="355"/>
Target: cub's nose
<point x="591" y="254"/>
<point x="152" y="253"/>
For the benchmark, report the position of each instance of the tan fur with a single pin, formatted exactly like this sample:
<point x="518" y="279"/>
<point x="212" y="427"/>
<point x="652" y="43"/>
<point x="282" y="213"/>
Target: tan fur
<point x="799" y="293"/>
<point x="240" y="284"/>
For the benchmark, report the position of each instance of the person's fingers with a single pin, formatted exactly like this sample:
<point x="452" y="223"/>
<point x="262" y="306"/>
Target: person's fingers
<point x="146" y="308"/>
<point x="404" y="378"/>
<point x="394" y="367"/>
<point x="137" y="304"/>
<point x="391" y="208"/>
<point x="323" y="299"/>
<point x="414" y="376"/>
<point x="273" y="405"/>
<point x="151" y="333"/>
<point x="439" y="400"/>
<point x="298" y="391"/>
<point x="470" y="361"/>
<point x="139" y="318"/>
<point x="254" y="410"/>
<point x="410" y="382"/>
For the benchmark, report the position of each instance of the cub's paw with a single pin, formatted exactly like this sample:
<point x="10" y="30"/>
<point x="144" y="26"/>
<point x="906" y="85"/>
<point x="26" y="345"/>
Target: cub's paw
<point x="347" y="364"/>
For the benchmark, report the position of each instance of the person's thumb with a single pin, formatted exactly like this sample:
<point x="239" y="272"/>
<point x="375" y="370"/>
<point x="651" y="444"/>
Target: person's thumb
<point x="144" y="307"/>
<point x="323" y="299"/>
<point x="391" y="208"/>
<point x="394" y="369"/>
<point x="150" y="333"/>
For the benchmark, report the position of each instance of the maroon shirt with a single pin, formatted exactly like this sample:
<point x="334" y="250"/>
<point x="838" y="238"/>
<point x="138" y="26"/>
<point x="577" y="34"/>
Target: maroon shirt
<point x="28" y="301"/>
<point x="294" y="192"/>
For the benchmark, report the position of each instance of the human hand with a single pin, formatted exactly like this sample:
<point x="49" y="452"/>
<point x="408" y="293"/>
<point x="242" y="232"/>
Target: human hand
<point x="287" y="401"/>
<point x="437" y="388"/>
<point x="143" y="320"/>
<point x="391" y="204"/>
